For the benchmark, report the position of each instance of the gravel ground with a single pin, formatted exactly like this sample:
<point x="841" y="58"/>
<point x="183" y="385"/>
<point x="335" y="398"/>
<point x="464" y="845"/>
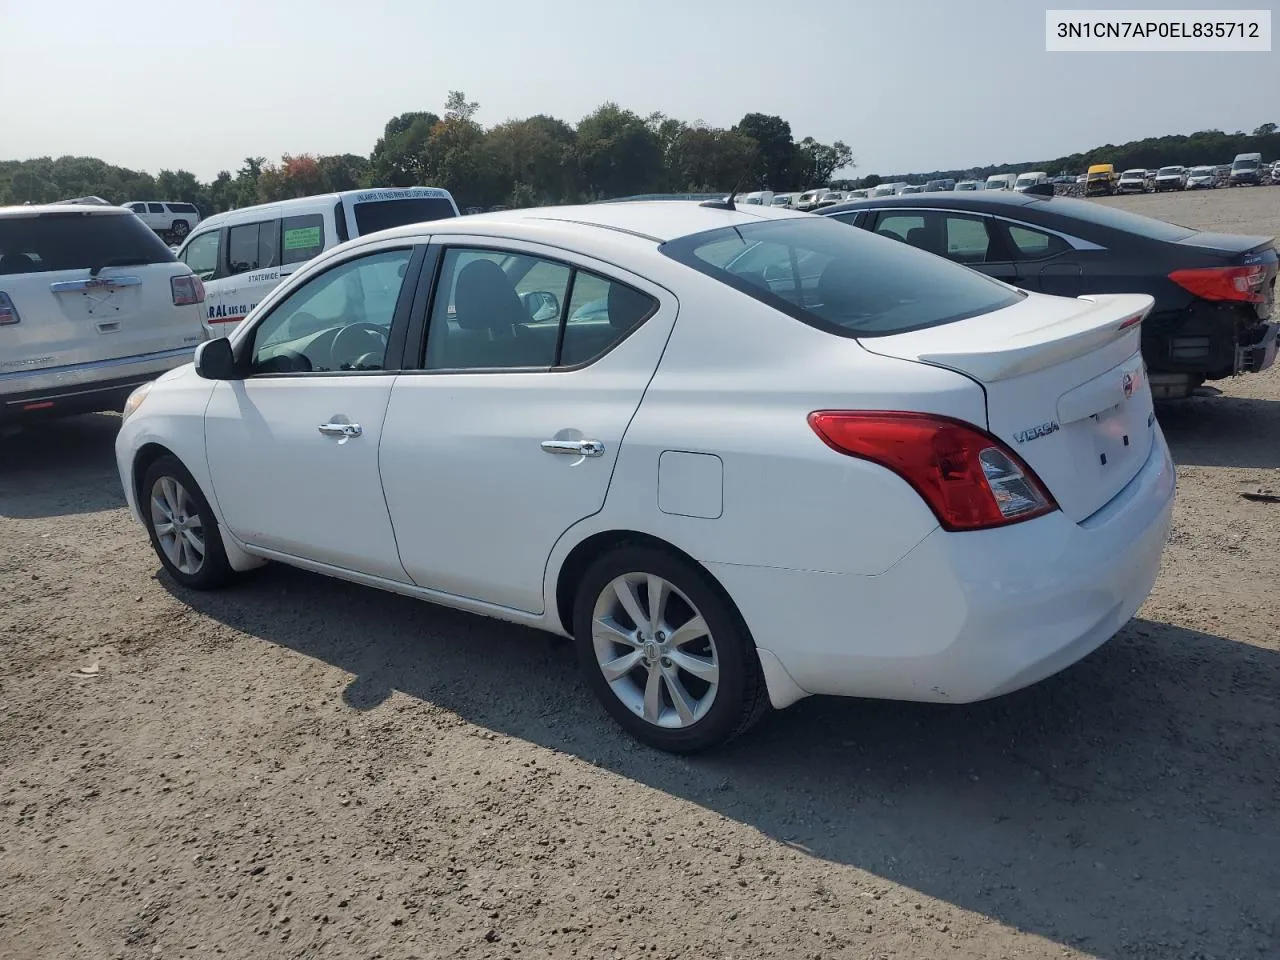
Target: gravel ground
<point x="299" y="768"/>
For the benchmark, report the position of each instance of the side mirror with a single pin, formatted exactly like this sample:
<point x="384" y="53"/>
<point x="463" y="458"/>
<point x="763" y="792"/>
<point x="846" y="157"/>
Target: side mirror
<point x="541" y="305"/>
<point x="215" y="360"/>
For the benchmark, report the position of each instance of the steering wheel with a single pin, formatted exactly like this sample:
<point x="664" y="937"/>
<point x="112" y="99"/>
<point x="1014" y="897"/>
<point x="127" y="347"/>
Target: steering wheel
<point x="357" y="341"/>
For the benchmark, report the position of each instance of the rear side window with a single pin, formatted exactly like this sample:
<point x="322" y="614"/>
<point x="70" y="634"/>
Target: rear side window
<point x="77" y="241"/>
<point x="183" y="208"/>
<point x="303" y="237"/>
<point x="375" y="215"/>
<point x="848" y="282"/>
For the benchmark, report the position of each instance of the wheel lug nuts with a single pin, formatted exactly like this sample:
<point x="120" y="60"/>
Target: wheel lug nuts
<point x="666" y="661"/>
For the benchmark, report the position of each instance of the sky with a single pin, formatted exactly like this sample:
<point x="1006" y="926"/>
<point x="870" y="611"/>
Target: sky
<point x="915" y="85"/>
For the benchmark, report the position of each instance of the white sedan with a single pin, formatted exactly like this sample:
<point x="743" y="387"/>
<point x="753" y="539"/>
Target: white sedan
<point x="739" y="456"/>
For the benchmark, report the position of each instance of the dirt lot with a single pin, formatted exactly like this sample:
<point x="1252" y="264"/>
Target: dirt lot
<point x="297" y="767"/>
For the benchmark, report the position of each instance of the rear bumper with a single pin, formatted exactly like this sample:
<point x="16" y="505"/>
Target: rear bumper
<point x="1208" y="341"/>
<point x="82" y="387"/>
<point x="966" y="616"/>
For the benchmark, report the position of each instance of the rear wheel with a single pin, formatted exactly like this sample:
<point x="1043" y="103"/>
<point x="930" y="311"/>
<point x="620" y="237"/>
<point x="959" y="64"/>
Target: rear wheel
<point x="667" y="656"/>
<point x="180" y="229"/>
<point x="182" y="527"/>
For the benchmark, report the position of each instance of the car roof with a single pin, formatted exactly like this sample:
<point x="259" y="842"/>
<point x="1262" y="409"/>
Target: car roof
<point x="985" y="200"/>
<point x="283" y="207"/>
<point x="87" y="209"/>
<point x="654" y="220"/>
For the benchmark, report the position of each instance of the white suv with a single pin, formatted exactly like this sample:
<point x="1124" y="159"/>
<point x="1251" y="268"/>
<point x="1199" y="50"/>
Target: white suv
<point x="92" y="304"/>
<point x="167" y="219"/>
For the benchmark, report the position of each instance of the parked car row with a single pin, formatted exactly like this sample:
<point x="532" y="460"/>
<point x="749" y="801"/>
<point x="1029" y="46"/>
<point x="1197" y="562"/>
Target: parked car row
<point x="1246" y="170"/>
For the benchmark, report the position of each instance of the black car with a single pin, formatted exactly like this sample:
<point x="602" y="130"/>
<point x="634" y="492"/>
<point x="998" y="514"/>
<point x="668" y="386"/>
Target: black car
<point x="1213" y="291"/>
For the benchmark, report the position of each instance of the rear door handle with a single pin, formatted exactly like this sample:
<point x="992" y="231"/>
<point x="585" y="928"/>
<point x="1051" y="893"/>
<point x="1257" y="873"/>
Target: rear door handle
<point x="574" y="448"/>
<point x="344" y="430"/>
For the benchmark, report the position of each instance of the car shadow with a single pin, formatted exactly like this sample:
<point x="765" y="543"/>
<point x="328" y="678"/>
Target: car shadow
<point x="1127" y="807"/>
<point x="1222" y="431"/>
<point x="60" y="467"/>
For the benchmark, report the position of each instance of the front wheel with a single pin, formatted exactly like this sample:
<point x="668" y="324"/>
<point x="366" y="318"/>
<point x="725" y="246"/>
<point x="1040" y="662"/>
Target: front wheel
<point x="183" y="530"/>
<point x="665" y="653"/>
<point x="181" y="229"/>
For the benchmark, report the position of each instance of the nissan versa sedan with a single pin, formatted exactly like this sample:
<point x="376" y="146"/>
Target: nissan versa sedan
<point x="740" y="456"/>
<point x="1213" y="292"/>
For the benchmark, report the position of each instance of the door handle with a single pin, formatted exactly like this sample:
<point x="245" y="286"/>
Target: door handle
<point x="344" y="430"/>
<point x="574" y="448"/>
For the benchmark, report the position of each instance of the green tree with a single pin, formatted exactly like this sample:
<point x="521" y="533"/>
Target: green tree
<point x="815" y="162"/>
<point x="1265" y="130"/>
<point x="534" y="156"/>
<point x="775" y="160"/>
<point x="706" y="159"/>
<point x="618" y="154"/>
<point x="399" y="156"/>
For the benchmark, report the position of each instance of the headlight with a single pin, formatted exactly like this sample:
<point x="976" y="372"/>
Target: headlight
<point x="135" y="400"/>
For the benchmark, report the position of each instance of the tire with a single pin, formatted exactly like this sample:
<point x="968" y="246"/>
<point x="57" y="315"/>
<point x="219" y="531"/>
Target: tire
<point x="712" y="714"/>
<point x="169" y="490"/>
<point x="180" y="229"/>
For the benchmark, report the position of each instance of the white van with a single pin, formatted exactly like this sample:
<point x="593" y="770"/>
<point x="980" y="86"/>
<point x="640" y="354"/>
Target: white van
<point x="1001" y="181"/>
<point x="241" y="255"/>
<point x="1032" y="179"/>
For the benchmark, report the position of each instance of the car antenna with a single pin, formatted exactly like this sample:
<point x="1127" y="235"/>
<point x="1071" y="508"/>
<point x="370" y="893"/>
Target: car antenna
<point x="727" y="202"/>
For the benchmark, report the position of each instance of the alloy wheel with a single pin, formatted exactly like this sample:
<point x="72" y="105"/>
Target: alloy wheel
<point x="655" y="650"/>
<point x="179" y="529"/>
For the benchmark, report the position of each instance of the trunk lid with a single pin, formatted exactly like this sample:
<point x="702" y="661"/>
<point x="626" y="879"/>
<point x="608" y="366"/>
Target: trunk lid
<point x="1065" y="387"/>
<point x="1226" y="243"/>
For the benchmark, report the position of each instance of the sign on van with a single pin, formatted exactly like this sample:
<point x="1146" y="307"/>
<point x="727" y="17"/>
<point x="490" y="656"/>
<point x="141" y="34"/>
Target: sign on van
<point x="302" y="238"/>
<point x="409" y="194"/>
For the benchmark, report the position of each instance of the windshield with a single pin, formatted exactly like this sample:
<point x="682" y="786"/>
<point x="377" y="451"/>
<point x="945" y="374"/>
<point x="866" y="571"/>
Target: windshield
<point x="1026" y="180"/>
<point x="1169" y="171"/>
<point x="375" y="215"/>
<point x="1249" y="164"/>
<point x="781" y="201"/>
<point x="1202" y="172"/>
<point x="847" y="282"/>
<point x="967" y="185"/>
<point x="1133" y="175"/>
<point x="995" y="184"/>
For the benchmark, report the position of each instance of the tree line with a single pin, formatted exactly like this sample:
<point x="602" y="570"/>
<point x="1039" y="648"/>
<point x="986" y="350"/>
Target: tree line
<point x="540" y="160"/>
<point x="1204" y="148"/>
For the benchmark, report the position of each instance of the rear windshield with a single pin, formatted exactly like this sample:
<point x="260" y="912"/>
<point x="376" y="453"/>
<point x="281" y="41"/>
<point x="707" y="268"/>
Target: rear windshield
<point x="1117" y="219"/>
<point x="376" y="215"/>
<point x="77" y="241"/>
<point x="842" y="280"/>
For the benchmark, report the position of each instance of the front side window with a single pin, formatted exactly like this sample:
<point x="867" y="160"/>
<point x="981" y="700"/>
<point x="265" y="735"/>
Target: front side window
<point x="844" y="281"/>
<point x="339" y="321"/>
<point x="500" y="310"/>
<point x="303" y="237"/>
<point x="201" y="254"/>
<point x="138" y="207"/>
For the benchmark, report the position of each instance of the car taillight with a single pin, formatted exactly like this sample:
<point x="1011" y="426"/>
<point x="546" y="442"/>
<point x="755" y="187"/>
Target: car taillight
<point x="8" y="312"/>
<point x="187" y="290"/>
<point x="1224" y="283"/>
<point x="970" y="479"/>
